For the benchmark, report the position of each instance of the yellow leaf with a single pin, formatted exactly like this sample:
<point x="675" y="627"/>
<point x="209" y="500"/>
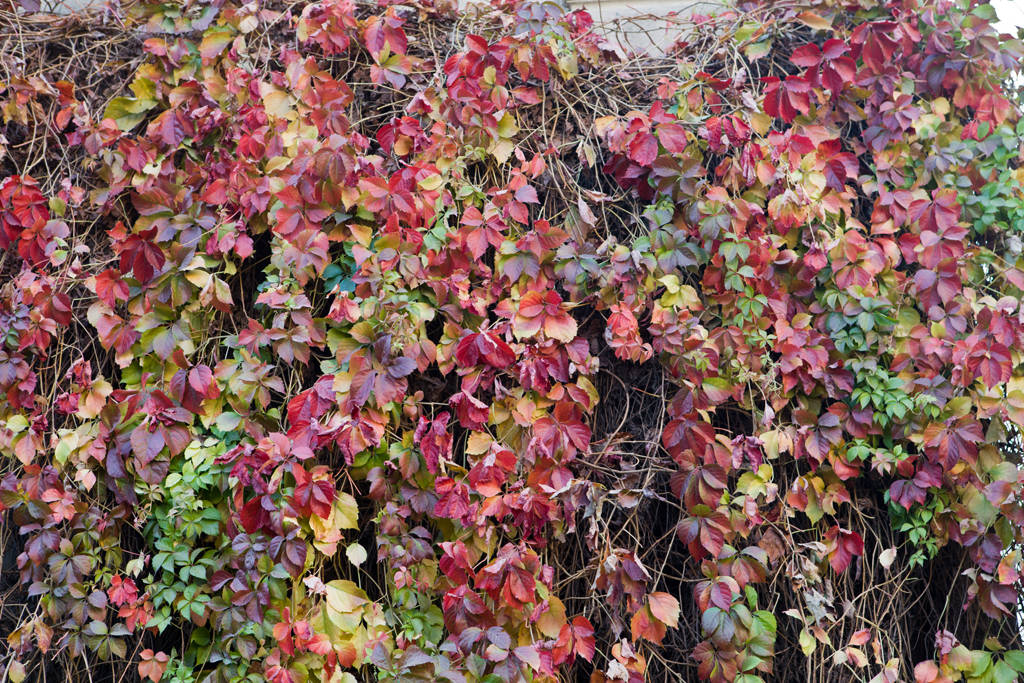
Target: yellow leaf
<point x="91" y="402"/>
<point x="363" y="234"/>
<point x="761" y="123"/>
<point x="144" y="85"/>
<point x="478" y="443"/>
<point x="362" y="332"/>
<point x="550" y="623"/>
<point x="431" y="182"/>
<point x="588" y="386"/>
<point x="671" y="283"/>
<point x="586" y="154"/>
<point x="277" y="102"/>
<point x="345" y="597"/>
<point x="490" y="75"/>
<point x="215" y="40"/>
<point x="16" y="672"/>
<point x="502" y="150"/>
<point x="276" y="164"/>
<point x="200" y="278"/>
<point x="325" y="534"/>
<point x="347" y="511"/>
<point x="906" y="321"/>
<point x="602" y="124"/>
<point x="567" y="66"/>
<point x="507" y="126"/>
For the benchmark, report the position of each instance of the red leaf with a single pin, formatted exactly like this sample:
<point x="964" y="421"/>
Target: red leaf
<point x="255" y="514"/>
<point x="486" y="346"/>
<point x="216" y="191"/>
<point x="672" y="137"/>
<point x="955" y="441"/>
<point x="939" y="214"/>
<point x="146" y="444"/>
<point x="786" y="99"/>
<point x="314" y="492"/>
<point x="842" y="546"/>
<point x="122" y="591"/>
<point x="860" y="637"/>
<point x="539" y="311"/>
<point x="584" y="644"/>
<point x="644" y="149"/>
<point x="926" y="672"/>
<point x="434" y="440"/>
<point x="312" y="403"/>
<point x="704" y="534"/>
<point x="711" y="662"/>
<point x="184" y="394"/>
<point x="806" y="56"/>
<point x="718" y="592"/>
<point x="472" y="412"/>
<point x="110" y="288"/>
<point x="838" y="72"/>
<point x="141" y="257"/>
<point x="453" y="499"/>
<point x="200" y="378"/>
<point x="489" y="474"/>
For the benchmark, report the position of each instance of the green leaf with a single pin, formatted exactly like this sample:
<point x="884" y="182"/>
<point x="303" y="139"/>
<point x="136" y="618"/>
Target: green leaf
<point x="1003" y="673"/>
<point x="1015" y="658"/>
<point x="128" y="112"/>
<point x="807" y="643"/>
<point x="507" y="126"/>
<point x="17" y="423"/>
<point x="758" y="50"/>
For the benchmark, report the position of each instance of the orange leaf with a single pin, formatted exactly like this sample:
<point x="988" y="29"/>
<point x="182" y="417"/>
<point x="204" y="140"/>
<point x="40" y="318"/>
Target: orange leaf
<point x="644" y="625"/>
<point x="814" y="21"/>
<point x="152" y="665"/>
<point x="664" y="608"/>
<point x="860" y="637"/>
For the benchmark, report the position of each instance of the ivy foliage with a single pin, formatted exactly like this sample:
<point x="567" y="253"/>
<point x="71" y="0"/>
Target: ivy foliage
<point x="410" y="342"/>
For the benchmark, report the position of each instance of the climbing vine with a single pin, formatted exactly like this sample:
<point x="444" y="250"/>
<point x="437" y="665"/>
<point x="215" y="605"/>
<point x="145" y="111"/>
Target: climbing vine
<point x="400" y="341"/>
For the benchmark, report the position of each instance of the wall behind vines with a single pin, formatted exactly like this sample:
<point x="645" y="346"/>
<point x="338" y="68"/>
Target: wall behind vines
<point x="401" y="342"/>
